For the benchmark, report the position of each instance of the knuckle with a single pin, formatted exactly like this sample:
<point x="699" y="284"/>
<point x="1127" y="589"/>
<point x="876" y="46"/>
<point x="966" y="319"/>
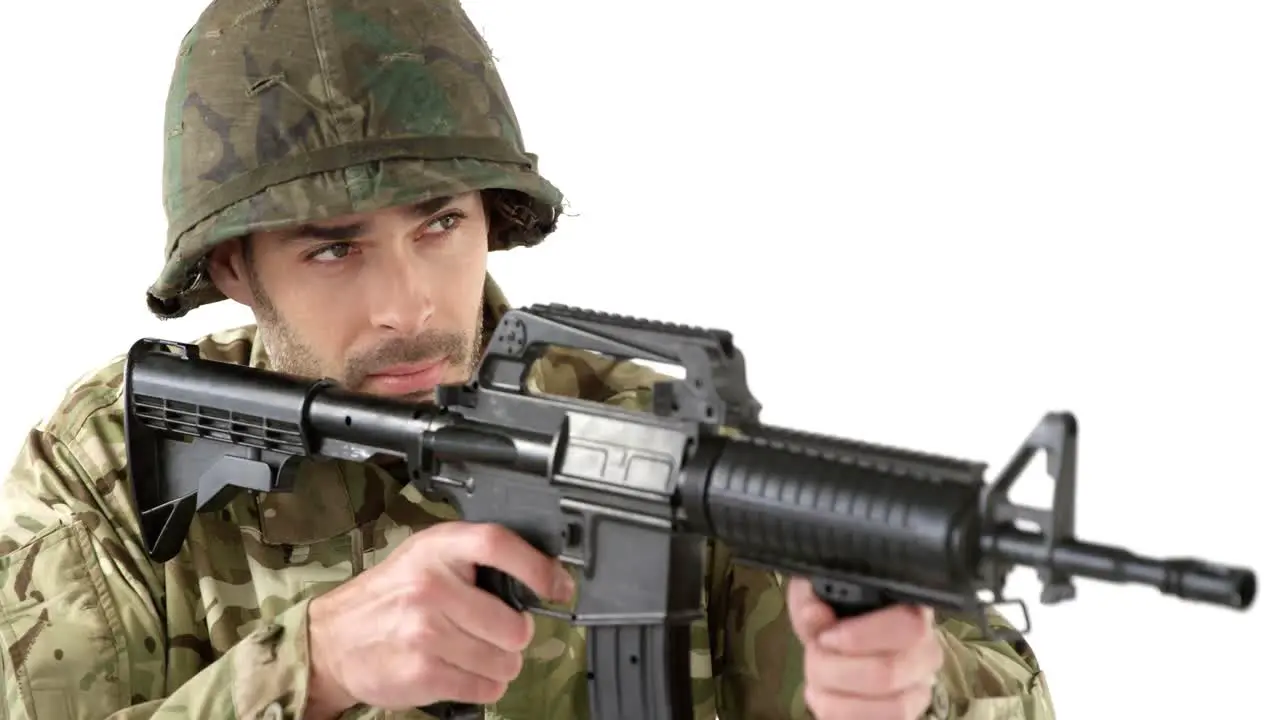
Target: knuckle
<point x="492" y="691"/>
<point x="489" y="538"/>
<point x="506" y="627"/>
<point x="510" y="666"/>
<point x="423" y="668"/>
<point x="420" y="627"/>
<point x="542" y="573"/>
<point x="525" y="631"/>
<point x="504" y="636"/>
<point x="885" y="671"/>
<point x="424" y="585"/>
<point x="481" y="690"/>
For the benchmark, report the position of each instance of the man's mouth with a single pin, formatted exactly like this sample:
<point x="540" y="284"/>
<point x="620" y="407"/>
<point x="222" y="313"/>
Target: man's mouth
<point x="408" y="378"/>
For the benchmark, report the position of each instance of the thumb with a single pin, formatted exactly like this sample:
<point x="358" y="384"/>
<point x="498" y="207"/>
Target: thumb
<point x="810" y="616"/>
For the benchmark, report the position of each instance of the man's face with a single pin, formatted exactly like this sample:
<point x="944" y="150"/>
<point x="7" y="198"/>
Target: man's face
<point x="388" y="302"/>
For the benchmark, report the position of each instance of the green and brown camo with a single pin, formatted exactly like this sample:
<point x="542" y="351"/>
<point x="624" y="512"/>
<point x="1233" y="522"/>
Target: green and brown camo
<point x="283" y="111"/>
<point x="287" y="111"/>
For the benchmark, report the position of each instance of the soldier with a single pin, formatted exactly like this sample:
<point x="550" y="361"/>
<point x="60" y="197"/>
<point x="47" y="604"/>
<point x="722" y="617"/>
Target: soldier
<point x="343" y="168"/>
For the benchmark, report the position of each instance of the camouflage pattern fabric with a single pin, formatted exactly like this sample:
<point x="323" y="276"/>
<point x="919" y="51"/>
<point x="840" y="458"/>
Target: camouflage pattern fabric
<point x="91" y="628"/>
<point x="283" y="111"/>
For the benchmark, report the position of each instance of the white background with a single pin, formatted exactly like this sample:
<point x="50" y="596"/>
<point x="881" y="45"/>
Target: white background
<point x="1038" y="208"/>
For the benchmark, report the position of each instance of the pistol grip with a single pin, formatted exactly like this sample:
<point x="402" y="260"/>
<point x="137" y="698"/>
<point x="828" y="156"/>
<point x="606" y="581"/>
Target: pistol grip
<point x="517" y="596"/>
<point x="509" y="590"/>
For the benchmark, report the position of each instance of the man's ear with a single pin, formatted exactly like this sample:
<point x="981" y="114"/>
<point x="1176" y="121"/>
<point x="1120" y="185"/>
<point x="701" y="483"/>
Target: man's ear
<point x="229" y="270"/>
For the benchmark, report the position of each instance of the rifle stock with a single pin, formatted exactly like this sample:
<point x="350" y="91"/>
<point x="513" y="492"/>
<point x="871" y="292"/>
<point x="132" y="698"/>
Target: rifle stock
<point x="629" y="497"/>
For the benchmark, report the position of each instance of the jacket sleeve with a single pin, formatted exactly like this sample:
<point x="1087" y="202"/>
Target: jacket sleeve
<point x="88" y="629"/>
<point x="759" y="662"/>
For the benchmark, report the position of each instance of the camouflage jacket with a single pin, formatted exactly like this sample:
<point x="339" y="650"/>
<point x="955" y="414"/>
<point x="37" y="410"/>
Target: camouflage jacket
<point x="93" y="629"/>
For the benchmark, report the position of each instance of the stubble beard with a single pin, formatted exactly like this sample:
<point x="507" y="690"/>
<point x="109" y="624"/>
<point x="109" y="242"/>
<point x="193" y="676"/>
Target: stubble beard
<point x="288" y="353"/>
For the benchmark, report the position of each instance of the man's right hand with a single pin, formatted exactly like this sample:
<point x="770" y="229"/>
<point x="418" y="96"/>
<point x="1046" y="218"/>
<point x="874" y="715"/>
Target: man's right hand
<point x="415" y="630"/>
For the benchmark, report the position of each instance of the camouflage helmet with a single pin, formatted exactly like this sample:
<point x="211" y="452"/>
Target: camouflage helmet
<point x="282" y="112"/>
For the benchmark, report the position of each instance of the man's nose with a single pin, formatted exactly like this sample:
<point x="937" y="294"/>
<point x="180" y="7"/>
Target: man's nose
<point x="401" y="297"/>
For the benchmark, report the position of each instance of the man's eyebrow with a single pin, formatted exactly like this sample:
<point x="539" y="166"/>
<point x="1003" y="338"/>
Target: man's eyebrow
<point x="351" y="231"/>
<point x="432" y="206"/>
<point x="335" y="233"/>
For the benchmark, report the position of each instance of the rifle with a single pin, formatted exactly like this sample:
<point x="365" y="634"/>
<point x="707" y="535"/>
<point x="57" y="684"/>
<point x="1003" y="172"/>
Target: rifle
<point x="630" y="496"/>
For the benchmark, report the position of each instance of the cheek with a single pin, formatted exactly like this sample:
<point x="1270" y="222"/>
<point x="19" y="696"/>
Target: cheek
<point x="326" y="317"/>
<point x="316" y="311"/>
<point x="457" y="281"/>
<point x="331" y="309"/>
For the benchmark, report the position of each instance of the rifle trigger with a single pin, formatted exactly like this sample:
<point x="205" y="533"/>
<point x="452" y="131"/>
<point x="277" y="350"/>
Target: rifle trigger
<point x="509" y="590"/>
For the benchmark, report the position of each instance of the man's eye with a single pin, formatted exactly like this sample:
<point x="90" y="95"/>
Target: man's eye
<point x="339" y="251"/>
<point x="445" y="223"/>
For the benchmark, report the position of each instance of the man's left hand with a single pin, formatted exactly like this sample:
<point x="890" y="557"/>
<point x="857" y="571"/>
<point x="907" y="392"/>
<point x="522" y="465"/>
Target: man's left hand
<point x="881" y="665"/>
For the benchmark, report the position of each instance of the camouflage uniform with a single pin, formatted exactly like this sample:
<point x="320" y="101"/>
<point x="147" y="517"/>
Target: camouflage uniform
<point x="280" y="112"/>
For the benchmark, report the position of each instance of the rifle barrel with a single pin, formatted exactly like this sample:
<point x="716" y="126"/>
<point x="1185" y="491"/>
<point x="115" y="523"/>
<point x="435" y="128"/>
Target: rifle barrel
<point x="1188" y="578"/>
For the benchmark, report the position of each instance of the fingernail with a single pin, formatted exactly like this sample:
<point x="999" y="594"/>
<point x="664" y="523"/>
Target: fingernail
<point x="564" y="585"/>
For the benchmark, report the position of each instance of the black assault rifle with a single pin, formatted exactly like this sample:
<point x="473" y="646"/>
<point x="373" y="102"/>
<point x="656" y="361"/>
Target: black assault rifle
<point x="628" y="497"/>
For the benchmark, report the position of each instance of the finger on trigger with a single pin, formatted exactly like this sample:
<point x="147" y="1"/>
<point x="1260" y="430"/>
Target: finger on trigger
<point x="486" y="617"/>
<point x="498" y="547"/>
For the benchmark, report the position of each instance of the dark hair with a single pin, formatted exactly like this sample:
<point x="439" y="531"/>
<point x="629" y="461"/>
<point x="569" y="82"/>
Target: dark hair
<point x="515" y="218"/>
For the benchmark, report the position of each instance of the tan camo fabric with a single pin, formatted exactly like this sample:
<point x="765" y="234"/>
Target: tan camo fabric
<point x="280" y="112"/>
<point x="91" y="627"/>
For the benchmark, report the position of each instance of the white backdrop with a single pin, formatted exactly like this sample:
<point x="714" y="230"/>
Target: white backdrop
<point x="1037" y="208"/>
